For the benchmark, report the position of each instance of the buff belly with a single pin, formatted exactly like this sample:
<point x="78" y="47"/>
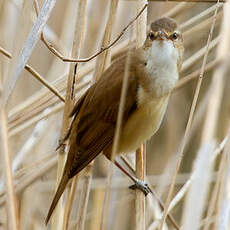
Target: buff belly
<point x="142" y="124"/>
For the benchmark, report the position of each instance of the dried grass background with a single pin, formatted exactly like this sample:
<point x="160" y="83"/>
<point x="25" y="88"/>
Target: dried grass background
<point x="32" y="119"/>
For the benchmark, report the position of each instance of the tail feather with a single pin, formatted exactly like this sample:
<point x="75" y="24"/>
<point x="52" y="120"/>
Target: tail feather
<point x="60" y="190"/>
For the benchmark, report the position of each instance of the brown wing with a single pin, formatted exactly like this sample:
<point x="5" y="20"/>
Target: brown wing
<point x="94" y="122"/>
<point x="74" y="112"/>
<point x="94" y="130"/>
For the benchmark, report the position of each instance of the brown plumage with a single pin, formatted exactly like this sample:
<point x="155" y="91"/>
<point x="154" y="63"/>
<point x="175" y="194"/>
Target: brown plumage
<point x="167" y="24"/>
<point x="95" y="114"/>
<point x="88" y="138"/>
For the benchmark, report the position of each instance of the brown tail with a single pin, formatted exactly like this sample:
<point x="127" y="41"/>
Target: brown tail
<point x="60" y="190"/>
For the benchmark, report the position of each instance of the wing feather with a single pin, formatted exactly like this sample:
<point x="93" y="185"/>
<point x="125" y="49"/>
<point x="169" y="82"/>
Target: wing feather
<point x="94" y="121"/>
<point x="95" y="116"/>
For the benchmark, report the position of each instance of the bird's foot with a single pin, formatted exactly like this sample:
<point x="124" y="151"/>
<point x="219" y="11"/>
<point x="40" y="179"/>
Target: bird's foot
<point x="142" y="186"/>
<point x="60" y="143"/>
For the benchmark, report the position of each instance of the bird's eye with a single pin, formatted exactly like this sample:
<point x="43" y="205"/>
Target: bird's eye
<point x="151" y="35"/>
<point x="175" y="35"/>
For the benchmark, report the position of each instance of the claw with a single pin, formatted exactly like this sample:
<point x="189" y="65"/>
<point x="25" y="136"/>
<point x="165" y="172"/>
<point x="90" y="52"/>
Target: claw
<point x="61" y="143"/>
<point x="142" y="186"/>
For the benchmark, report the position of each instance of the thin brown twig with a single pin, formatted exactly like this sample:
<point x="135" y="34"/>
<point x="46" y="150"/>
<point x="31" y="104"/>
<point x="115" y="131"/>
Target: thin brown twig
<point x="5" y="52"/>
<point x="44" y="82"/>
<point x="64" y="59"/>
<point x="187" y="130"/>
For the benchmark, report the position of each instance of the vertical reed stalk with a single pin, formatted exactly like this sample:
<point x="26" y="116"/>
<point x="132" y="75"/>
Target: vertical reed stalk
<point x="189" y="123"/>
<point x="13" y="220"/>
<point x="140" y="197"/>
<point x="217" y="85"/>
<point x="77" y="41"/>
<point x="103" y="61"/>
<point x="84" y="198"/>
<point x="76" y="52"/>
<point x="215" y="100"/>
<point x="141" y="25"/>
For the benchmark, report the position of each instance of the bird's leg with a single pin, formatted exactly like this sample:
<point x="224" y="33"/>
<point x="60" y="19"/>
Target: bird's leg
<point x="138" y="184"/>
<point x="61" y="141"/>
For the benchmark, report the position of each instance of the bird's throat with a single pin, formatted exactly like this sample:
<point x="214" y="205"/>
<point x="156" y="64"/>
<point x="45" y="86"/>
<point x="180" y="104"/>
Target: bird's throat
<point x="161" y="69"/>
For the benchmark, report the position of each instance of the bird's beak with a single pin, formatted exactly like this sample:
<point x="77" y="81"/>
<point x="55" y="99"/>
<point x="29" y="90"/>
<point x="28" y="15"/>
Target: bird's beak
<point x="161" y="36"/>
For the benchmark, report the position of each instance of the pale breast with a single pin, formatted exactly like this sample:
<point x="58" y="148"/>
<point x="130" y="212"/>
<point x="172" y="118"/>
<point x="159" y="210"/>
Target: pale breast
<point x="143" y="123"/>
<point x="157" y="80"/>
<point x="161" y="68"/>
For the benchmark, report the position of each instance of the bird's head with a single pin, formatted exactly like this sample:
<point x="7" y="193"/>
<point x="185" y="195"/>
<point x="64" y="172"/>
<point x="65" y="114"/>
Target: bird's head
<point x="165" y="41"/>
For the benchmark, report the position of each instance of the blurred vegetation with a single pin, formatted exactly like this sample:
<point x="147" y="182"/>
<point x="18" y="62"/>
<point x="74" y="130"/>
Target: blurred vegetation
<point x="16" y="21"/>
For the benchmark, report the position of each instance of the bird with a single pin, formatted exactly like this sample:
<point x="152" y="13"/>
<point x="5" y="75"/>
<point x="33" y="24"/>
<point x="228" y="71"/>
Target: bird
<point x="152" y="74"/>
